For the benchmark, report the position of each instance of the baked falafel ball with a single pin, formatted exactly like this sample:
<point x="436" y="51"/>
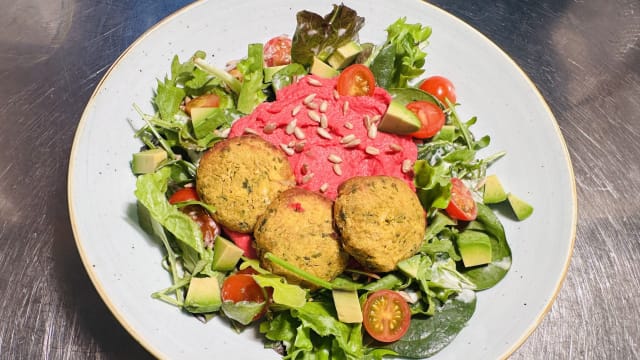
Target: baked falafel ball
<point x="240" y="177"/>
<point x="380" y="219"/>
<point x="298" y="228"/>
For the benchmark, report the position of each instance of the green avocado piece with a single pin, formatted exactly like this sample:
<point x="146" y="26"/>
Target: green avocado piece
<point x="521" y="208"/>
<point x="399" y="120"/>
<point x="225" y="255"/>
<point x="147" y="161"/>
<point x="203" y="295"/>
<point x="344" y="55"/>
<point x="474" y="247"/>
<point x="347" y="306"/>
<point x="320" y="68"/>
<point x="270" y="71"/>
<point x="493" y="190"/>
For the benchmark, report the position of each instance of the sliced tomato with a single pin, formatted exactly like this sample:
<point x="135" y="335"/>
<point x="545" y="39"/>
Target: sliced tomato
<point x="461" y="204"/>
<point x="206" y="100"/>
<point x="184" y="194"/>
<point x="431" y="117"/>
<point x="277" y="51"/>
<point x="242" y="287"/>
<point x="386" y="315"/>
<point x="440" y="87"/>
<point x="356" y="80"/>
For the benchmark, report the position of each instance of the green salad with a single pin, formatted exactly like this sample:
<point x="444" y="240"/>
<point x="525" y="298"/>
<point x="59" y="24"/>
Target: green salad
<point x="412" y="311"/>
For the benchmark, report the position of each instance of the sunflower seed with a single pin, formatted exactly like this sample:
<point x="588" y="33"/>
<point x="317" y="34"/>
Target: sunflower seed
<point x="375" y="118"/>
<point x="406" y="166"/>
<point x="250" y="131"/>
<point x="291" y="126"/>
<point x="395" y="147"/>
<point x="324" y="187"/>
<point x="309" y="98"/>
<point x="298" y="133"/>
<point x="289" y="151"/>
<point x="353" y="143"/>
<point x="367" y="122"/>
<point x="373" y="131"/>
<point x="299" y="146"/>
<point x="324" y="105"/>
<point x="296" y="110"/>
<point x="348" y="138"/>
<point x="314" y="82"/>
<point x="312" y="106"/>
<point x="324" y="133"/>
<point x="307" y="178"/>
<point x="337" y="169"/>
<point x="313" y="115"/>
<point x="269" y="128"/>
<point x="304" y="170"/>
<point x="348" y="125"/>
<point x="324" y="122"/>
<point x="372" y="150"/>
<point x="335" y="159"/>
<point x="291" y="143"/>
<point x="336" y="94"/>
<point x="345" y="108"/>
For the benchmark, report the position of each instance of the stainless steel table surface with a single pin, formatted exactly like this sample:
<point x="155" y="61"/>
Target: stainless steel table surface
<point x="583" y="55"/>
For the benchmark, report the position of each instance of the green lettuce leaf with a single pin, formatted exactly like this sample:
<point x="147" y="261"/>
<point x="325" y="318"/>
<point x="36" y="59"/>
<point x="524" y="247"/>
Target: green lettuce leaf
<point x="289" y="295"/>
<point x="251" y="67"/>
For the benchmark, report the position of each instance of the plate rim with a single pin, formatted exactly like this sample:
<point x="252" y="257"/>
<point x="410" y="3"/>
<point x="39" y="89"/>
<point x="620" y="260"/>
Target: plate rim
<point x="142" y="339"/>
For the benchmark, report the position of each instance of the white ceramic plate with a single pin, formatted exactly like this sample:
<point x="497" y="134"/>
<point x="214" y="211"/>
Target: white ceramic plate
<point x="124" y="264"/>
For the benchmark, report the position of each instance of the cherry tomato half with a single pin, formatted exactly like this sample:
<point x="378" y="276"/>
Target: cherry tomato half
<point x="208" y="226"/>
<point x="277" y="51"/>
<point x="242" y="287"/>
<point x="184" y="194"/>
<point x="461" y="204"/>
<point x="386" y="315"/>
<point x="431" y="117"/>
<point x="440" y="87"/>
<point x="356" y="80"/>
<point x="206" y="100"/>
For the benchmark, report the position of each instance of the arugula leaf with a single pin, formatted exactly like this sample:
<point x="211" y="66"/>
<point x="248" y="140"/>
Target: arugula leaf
<point x="150" y="191"/>
<point x="401" y="59"/>
<point x="433" y="184"/>
<point x="168" y="99"/>
<point x="251" y="67"/>
<point x="320" y="36"/>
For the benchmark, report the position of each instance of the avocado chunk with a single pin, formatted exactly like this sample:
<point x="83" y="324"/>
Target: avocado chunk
<point x="493" y="190"/>
<point x="474" y="247"/>
<point x="521" y="208"/>
<point x="347" y="306"/>
<point x="270" y="71"/>
<point x="399" y="120"/>
<point x="147" y="161"/>
<point x="320" y="68"/>
<point x="344" y="55"/>
<point x="203" y="295"/>
<point x="225" y="255"/>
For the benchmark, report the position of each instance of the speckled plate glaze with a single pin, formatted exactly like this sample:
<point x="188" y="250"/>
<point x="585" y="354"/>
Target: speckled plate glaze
<point x="124" y="263"/>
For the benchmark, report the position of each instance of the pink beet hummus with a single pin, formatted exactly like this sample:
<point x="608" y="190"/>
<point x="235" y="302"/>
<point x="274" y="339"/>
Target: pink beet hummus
<point x="328" y="137"/>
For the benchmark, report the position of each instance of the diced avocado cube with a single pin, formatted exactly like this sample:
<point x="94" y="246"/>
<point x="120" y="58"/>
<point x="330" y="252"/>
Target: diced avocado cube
<point x="474" y="247"/>
<point x="344" y="55"/>
<point x="203" y="295"/>
<point x="493" y="190"/>
<point x="320" y="68"/>
<point x="399" y="120"/>
<point x="147" y="161"/>
<point x="521" y="208"/>
<point x="225" y="255"/>
<point x="270" y="71"/>
<point x="347" y="306"/>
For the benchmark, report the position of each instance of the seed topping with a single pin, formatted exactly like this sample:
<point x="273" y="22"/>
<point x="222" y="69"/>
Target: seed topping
<point x="287" y="150"/>
<point x="335" y="159"/>
<point x="291" y="126"/>
<point x="372" y="150"/>
<point x="337" y="169"/>
<point x="299" y="134"/>
<point x="314" y="82"/>
<point x="313" y="115"/>
<point x="324" y="133"/>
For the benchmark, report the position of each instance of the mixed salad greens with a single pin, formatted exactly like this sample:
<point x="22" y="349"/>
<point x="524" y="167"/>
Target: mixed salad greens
<point x="211" y="276"/>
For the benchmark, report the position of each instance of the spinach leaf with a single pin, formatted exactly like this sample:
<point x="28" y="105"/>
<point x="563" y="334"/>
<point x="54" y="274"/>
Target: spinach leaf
<point x="488" y="275"/>
<point x="426" y="337"/>
<point x="320" y="36"/>
<point x="150" y="191"/>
